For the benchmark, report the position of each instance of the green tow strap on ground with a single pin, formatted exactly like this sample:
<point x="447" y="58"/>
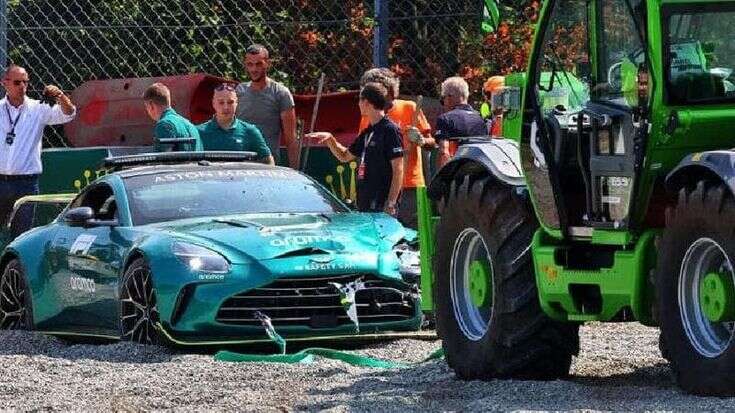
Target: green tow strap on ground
<point x="307" y="356"/>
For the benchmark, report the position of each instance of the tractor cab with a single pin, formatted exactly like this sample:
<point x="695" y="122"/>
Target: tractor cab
<point x="589" y="152"/>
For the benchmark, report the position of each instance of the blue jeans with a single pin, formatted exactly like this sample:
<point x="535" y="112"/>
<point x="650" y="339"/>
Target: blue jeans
<point x="11" y="191"/>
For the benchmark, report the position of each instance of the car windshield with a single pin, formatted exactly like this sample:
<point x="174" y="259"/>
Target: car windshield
<point x="172" y="195"/>
<point x="571" y="74"/>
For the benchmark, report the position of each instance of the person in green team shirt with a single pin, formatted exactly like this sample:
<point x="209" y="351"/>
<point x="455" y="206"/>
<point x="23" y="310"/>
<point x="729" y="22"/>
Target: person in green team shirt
<point x="224" y="132"/>
<point x="169" y="124"/>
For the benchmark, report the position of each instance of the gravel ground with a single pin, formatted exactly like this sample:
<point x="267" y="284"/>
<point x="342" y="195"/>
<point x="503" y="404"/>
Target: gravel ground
<point x="619" y="368"/>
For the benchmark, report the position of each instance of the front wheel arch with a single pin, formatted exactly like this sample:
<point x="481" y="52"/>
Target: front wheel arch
<point x="704" y="167"/>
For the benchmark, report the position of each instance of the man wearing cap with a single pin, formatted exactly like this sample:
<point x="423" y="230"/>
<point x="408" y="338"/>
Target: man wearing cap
<point x="268" y="105"/>
<point x="169" y="124"/>
<point x="22" y="121"/>
<point x="224" y="132"/>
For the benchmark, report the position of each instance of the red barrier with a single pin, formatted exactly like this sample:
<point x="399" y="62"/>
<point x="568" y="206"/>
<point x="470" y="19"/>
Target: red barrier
<point x="111" y="112"/>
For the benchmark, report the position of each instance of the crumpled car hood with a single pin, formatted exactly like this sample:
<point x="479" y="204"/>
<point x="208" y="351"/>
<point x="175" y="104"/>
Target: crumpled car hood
<point x="264" y="237"/>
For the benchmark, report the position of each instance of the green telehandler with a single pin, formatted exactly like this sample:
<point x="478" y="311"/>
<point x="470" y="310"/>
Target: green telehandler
<point x="610" y="198"/>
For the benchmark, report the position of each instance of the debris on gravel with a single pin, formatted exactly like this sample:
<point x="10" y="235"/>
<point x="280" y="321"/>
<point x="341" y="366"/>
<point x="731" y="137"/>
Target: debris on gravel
<point x="619" y="368"/>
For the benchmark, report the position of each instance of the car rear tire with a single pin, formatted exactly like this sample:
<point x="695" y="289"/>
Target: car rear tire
<point x="487" y="308"/>
<point x="16" y="312"/>
<point x="698" y="241"/>
<point x="138" y="306"/>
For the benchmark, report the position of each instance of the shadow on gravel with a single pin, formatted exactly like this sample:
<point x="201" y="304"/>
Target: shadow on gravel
<point x="28" y="343"/>
<point x="433" y="386"/>
<point x="657" y="376"/>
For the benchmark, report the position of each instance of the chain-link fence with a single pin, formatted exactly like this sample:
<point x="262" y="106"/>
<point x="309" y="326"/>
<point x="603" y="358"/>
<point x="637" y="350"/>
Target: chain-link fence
<point x="67" y="43"/>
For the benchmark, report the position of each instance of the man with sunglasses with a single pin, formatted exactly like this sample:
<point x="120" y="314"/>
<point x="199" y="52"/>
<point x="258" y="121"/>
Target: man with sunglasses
<point x="268" y="105"/>
<point x="224" y="132"/>
<point x="22" y="121"/>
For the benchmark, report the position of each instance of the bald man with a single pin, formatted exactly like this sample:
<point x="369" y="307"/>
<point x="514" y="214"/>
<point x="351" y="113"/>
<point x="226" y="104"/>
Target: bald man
<point x="22" y="121"/>
<point x="224" y="132"/>
<point x="268" y="105"/>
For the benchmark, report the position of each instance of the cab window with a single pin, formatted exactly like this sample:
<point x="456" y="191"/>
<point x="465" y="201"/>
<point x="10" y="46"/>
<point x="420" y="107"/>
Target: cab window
<point x="700" y="54"/>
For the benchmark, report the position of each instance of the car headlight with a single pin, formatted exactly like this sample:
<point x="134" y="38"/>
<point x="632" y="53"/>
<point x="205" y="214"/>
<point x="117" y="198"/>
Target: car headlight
<point x="200" y="258"/>
<point x="409" y="263"/>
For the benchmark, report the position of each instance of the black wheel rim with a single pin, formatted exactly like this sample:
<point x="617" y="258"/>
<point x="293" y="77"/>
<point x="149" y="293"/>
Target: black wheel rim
<point x="139" y="311"/>
<point x="12" y="300"/>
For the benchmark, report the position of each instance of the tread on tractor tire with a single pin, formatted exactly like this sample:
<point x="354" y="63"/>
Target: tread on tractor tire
<point x="497" y="330"/>
<point x="698" y="240"/>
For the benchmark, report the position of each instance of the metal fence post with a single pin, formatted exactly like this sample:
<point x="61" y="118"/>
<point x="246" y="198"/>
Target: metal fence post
<point x="380" y="33"/>
<point x="3" y="34"/>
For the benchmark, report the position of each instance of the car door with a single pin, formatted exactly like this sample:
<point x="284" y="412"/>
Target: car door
<point x="85" y="262"/>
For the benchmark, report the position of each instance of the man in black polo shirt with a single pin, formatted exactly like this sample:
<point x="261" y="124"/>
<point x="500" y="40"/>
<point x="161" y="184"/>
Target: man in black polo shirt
<point x="379" y="151"/>
<point x="459" y="121"/>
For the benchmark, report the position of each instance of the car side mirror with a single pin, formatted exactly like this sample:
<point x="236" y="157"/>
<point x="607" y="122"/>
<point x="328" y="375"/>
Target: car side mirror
<point x="80" y="216"/>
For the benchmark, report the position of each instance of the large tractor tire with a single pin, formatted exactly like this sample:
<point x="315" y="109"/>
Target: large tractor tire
<point x="487" y="307"/>
<point x="695" y="286"/>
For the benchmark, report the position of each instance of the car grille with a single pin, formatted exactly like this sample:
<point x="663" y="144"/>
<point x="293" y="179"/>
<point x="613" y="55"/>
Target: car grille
<point x="315" y="303"/>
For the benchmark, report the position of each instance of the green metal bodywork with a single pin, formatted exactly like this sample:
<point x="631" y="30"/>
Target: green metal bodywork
<point x="623" y="285"/>
<point x="356" y="243"/>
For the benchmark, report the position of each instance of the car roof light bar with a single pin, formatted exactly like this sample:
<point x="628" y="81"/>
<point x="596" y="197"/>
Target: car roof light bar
<point x="129" y="161"/>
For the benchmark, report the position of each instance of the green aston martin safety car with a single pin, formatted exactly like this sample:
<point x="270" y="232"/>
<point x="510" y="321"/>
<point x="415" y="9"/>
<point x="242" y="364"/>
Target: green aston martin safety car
<point x="203" y="248"/>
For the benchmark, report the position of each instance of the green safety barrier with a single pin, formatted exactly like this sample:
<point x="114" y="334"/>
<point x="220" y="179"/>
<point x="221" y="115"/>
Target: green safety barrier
<point x="307" y="356"/>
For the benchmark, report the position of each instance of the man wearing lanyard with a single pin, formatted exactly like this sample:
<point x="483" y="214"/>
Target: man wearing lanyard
<point x="380" y="150"/>
<point x="22" y="120"/>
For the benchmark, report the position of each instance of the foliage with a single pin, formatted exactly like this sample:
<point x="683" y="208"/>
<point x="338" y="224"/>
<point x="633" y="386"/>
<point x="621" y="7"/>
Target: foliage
<point x="70" y="42"/>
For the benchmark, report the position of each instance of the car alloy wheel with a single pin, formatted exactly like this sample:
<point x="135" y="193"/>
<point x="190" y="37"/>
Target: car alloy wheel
<point x="12" y="300"/>
<point x="139" y="311"/>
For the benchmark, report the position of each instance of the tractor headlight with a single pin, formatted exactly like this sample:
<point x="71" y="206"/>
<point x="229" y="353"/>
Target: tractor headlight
<point x="409" y="264"/>
<point x="200" y="258"/>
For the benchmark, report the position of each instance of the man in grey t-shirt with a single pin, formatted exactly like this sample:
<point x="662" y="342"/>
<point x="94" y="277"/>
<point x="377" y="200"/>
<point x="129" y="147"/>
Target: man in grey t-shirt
<point x="268" y="104"/>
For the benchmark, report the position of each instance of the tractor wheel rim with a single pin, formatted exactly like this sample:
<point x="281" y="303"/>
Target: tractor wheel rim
<point x="139" y="311"/>
<point x="704" y="256"/>
<point x="12" y="300"/>
<point x="470" y="250"/>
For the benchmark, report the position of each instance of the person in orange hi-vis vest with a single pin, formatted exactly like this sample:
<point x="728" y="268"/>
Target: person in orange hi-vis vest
<point x="416" y="134"/>
<point x="493" y="84"/>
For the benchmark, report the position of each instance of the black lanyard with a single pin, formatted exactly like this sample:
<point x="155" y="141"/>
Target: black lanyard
<point x="10" y="136"/>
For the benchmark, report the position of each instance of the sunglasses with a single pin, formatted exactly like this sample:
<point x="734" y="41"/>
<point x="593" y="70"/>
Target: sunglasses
<point x="19" y="82"/>
<point x="225" y="86"/>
